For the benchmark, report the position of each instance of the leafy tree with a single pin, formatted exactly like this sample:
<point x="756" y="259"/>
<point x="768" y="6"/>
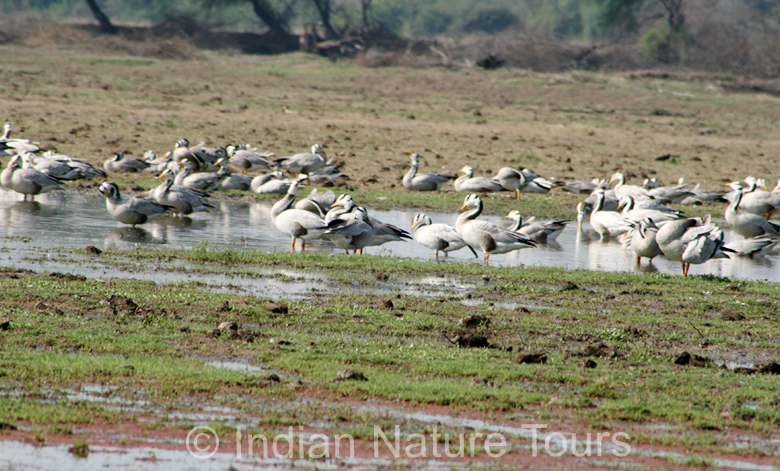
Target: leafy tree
<point x="491" y="20"/>
<point x="274" y="14"/>
<point x="628" y="15"/>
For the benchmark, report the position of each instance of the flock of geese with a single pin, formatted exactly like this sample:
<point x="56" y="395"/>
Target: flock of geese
<point x="639" y="216"/>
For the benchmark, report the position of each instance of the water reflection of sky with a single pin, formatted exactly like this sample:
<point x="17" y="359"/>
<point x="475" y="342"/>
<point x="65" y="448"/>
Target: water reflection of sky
<point x="78" y="220"/>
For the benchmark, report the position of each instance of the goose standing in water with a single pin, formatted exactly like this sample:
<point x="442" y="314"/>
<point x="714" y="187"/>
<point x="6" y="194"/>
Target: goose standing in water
<point x="468" y="182"/>
<point x="305" y="163"/>
<point x="674" y="236"/>
<point x="437" y="237"/>
<point x="422" y="181"/>
<point x="748" y="224"/>
<point x="639" y="214"/>
<point x="607" y="223"/>
<point x="539" y="232"/>
<point x="130" y="211"/>
<point x="485" y="236"/>
<point x="384" y="232"/>
<point x="340" y="209"/>
<point x="353" y="233"/>
<point x="183" y="200"/>
<point x="317" y="203"/>
<point x="704" y="246"/>
<point x="296" y="223"/>
<point x="27" y="181"/>
<point x="512" y="180"/>
<point x="758" y="201"/>
<point x="642" y="242"/>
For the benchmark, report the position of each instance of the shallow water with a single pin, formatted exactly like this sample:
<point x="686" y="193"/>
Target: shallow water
<point x="78" y="220"/>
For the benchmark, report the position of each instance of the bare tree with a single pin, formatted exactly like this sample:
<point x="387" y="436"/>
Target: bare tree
<point x="365" y="6"/>
<point x="675" y="17"/>
<point x="272" y="18"/>
<point x="105" y="24"/>
<point x="324" y="10"/>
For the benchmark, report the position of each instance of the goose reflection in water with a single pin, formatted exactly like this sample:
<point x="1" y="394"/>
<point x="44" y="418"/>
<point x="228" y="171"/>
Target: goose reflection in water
<point x="121" y="236"/>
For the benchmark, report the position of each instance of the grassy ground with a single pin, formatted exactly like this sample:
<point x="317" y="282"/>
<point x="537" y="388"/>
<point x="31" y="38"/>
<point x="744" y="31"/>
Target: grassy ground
<point x="67" y="332"/>
<point x="568" y="127"/>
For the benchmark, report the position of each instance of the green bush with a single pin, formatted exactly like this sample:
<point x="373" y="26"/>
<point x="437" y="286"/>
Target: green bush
<point x="492" y="20"/>
<point x="434" y="21"/>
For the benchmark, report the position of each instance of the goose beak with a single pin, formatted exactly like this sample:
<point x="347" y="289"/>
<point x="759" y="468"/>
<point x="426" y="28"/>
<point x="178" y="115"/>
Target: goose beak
<point x="463" y="207"/>
<point x="414" y="225"/>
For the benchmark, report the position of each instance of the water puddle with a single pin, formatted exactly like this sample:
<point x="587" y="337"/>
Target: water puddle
<point x="78" y="220"/>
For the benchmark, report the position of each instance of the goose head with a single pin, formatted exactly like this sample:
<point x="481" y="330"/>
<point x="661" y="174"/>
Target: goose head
<point x="317" y="149"/>
<point x="344" y="200"/>
<point x="471" y="200"/>
<point x="466" y="170"/>
<point x="617" y="177"/>
<point x="514" y="215"/>
<point x="109" y="190"/>
<point x="182" y="143"/>
<point x="421" y="219"/>
<point x="167" y="173"/>
<point x="626" y="202"/>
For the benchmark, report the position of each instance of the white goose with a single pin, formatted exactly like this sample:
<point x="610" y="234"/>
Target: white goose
<point x="638" y="214"/>
<point x="512" y="180"/>
<point x="353" y="233"/>
<point x="674" y="237"/>
<point x="120" y="163"/>
<point x="317" y="203"/>
<point x="485" y="236"/>
<point x="422" y="181"/>
<point x="540" y="232"/>
<point x="536" y="183"/>
<point x="183" y="200"/>
<point x="27" y="181"/>
<point x="704" y="246"/>
<point x="642" y="242"/>
<point x="296" y="223"/>
<point x="748" y="224"/>
<point x="437" y="237"/>
<point x="305" y="163"/>
<point x="205" y="181"/>
<point x="607" y="223"/>
<point x="468" y="182"/>
<point x="621" y="189"/>
<point x="758" y="201"/>
<point x="273" y="182"/>
<point x="247" y="158"/>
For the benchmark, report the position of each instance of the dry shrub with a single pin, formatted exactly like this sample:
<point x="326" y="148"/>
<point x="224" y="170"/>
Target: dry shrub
<point x="175" y="48"/>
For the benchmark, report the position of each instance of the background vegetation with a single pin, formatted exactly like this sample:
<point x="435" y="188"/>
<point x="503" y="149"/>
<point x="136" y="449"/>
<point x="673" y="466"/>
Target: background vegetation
<point x="734" y="36"/>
